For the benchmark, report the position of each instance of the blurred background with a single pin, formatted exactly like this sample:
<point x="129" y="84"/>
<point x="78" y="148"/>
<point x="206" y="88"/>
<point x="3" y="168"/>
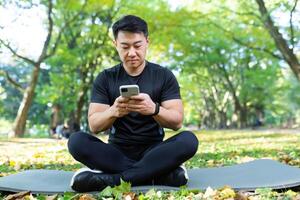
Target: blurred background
<point x="237" y="61"/>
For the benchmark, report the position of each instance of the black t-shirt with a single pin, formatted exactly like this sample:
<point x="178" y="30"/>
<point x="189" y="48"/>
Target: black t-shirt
<point x="158" y="82"/>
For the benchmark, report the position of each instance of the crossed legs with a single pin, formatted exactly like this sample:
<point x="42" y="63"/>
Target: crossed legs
<point x="157" y="160"/>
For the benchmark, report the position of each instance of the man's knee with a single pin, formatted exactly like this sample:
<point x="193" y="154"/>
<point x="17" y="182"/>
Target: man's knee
<point x="189" y="142"/>
<point x="76" y="143"/>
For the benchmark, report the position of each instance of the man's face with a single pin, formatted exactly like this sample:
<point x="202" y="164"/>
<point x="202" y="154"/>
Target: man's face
<point x="132" y="48"/>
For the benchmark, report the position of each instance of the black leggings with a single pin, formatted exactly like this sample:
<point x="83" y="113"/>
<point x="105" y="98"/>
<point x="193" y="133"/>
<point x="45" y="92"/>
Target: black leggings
<point x="136" y="163"/>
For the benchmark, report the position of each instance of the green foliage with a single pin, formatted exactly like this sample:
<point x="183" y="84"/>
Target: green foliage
<point x="266" y="193"/>
<point x="5" y="126"/>
<point x="228" y="67"/>
<point x="11" y="96"/>
<point x="117" y="191"/>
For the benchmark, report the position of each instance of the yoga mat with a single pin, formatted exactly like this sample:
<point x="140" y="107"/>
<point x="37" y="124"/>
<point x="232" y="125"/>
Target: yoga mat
<point x="246" y="176"/>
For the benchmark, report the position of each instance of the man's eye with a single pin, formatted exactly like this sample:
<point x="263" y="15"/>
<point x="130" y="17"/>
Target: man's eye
<point x="125" y="47"/>
<point x="137" y="47"/>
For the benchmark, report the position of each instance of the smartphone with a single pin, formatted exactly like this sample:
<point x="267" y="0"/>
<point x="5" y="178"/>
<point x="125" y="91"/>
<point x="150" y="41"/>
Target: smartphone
<point x="129" y="90"/>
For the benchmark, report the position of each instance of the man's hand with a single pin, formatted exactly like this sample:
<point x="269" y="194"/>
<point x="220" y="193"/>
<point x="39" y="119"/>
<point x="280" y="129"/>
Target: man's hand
<point x="142" y="104"/>
<point x="119" y="108"/>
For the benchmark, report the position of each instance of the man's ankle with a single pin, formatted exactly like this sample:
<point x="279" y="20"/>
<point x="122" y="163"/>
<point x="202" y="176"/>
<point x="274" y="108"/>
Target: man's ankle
<point x="91" y="180"/>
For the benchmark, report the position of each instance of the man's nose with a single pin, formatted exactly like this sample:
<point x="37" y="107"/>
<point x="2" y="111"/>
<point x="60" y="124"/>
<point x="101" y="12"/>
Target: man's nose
<point x="131" y="52"/>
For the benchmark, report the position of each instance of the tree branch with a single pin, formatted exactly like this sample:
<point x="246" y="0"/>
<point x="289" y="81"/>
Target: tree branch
<point x="11" y="81"/>
<point x="280" y="42"/>
<point x="16" y="54"/>
<point x="240" y="13"/>
<point x="50" y="29"/>
<point x="52" y="51"/>
<point x="112" y="13"/>
<point x="231" y="35"/>
<point x="266" y="50"/>
<point x="291" y="25"/>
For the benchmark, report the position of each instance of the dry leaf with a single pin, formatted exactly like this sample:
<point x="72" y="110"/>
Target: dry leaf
<point x="130" y="196"/>
<point x="297" y="197"/>
<point x="241" y="196"/>
<point x="209" y="192"/>
<point x="227" y="192"/>
<point x="87" y="197"/>
<point x="17" y="196"/>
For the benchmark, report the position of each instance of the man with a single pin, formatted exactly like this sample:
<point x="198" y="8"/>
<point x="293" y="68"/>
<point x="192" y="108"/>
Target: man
<point x="136" y="151"/>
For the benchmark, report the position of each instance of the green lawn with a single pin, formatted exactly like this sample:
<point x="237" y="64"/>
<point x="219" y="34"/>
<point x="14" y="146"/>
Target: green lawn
<point x="216" y="148"/>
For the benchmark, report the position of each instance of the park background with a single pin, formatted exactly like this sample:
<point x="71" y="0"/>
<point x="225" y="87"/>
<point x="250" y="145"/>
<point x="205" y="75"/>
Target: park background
<point x="237" y="63"/>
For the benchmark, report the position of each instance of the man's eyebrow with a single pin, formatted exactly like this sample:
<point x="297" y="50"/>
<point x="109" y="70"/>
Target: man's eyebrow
<point x="137" y="42"/>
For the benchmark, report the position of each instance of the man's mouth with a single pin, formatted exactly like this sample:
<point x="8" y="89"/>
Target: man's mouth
<point x="132" y="60"/>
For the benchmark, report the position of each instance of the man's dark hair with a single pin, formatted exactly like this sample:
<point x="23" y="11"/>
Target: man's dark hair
<point x="131" y="24"/>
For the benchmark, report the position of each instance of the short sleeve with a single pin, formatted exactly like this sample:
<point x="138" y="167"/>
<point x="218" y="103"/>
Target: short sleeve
<point x="99" y="90"/>
<point x="170" y="89"/>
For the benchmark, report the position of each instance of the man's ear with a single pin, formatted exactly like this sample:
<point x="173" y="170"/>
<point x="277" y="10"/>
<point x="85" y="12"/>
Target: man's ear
<point x="147" y="41"/>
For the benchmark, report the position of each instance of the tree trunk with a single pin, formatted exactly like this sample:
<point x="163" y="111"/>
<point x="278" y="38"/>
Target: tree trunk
<point x="223" y="119"/>
<point x="243" y="117"/>
<point x="20" y="121"/>
<point x="87" y="82"/>
<point x="80" y="103"/>
<point x="280" y="42"/>
<point x="237" y="105"/>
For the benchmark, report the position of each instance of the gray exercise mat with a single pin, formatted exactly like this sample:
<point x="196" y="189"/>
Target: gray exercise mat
<point x="246" y="176"/>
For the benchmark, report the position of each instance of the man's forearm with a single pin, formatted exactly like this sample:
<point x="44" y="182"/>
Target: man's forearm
<point x="100" y="121"/>
<point x="169" y="118"/>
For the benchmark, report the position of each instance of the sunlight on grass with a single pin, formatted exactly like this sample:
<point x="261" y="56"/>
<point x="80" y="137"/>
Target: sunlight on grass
<point x="216" y="148"/>
<point x="230" y="147"/>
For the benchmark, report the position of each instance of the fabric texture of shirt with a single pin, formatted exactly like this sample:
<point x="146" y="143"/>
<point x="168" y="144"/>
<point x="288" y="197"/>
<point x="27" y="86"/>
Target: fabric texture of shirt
<point x="158" y="82"/>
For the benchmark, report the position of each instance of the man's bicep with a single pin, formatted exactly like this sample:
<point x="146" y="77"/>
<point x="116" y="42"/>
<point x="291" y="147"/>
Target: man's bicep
<point x="174" y="104"/>
<point x="97" y="107"/>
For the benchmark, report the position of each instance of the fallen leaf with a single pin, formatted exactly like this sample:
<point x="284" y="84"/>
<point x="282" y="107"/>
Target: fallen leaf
<point x="19" y="195"/>
<point x="209" y="192"/>
<point x="241" y="196"/>
<point x="130" y="196"/>
<point x="87" y="197"/>
<point x="227" y="193"/>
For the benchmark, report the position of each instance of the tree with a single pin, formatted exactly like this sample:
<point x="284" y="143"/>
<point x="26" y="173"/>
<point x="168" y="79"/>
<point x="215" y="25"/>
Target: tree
<point x="229" y="77"/>
<point x="287" y="53"/>
<point x="48" y="50"/>
<point x="84" y="47"/>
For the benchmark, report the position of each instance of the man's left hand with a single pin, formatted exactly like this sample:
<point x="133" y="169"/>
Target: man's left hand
<point x="142" y="104"/>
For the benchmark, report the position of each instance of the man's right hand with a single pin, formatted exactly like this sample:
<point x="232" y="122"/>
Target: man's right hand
<point x="119" y="108"/>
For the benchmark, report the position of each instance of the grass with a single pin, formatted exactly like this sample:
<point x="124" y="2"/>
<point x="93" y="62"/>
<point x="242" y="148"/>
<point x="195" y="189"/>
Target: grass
<point x="4" y="126"/>
<point x="216" y="148"/>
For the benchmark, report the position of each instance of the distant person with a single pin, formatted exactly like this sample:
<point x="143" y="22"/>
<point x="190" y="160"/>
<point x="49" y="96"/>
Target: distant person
<point x="257" y="123"/>
<point x="258" y="120"/>
<point x="135" y="151"/>
<point x="71" y="126"/>
<point x="56" y="121"/>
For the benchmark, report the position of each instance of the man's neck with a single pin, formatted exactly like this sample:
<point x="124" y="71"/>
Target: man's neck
<point x="135" y="71"/>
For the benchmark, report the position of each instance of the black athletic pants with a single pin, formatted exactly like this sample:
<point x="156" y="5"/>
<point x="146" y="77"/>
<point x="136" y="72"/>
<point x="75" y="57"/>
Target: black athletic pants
<point x="134" y="163"/>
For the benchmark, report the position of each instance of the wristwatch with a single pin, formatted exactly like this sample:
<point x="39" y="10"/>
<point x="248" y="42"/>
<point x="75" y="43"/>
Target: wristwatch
<point x="157" y="107"/>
